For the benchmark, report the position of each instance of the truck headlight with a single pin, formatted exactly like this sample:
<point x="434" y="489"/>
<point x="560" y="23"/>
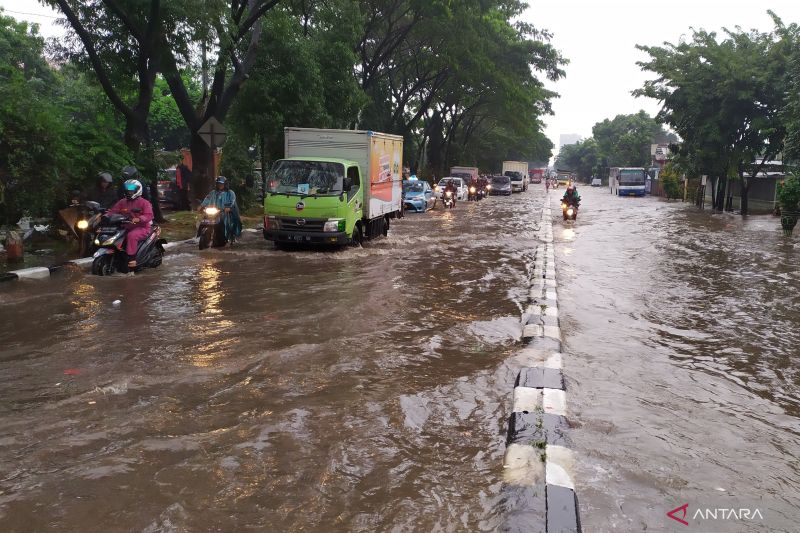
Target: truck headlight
<point x="332" y="226"/>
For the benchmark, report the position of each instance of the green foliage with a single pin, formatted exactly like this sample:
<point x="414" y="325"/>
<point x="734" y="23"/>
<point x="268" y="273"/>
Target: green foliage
<point x="583" y="158"/>
<point x="671" y="181"/>
<point x="56" y="129"/>
<point x="723" y="95"/>
<point x="625" y="141"/>
<point x="789" y="194"/>
<point x="791" y="111"/>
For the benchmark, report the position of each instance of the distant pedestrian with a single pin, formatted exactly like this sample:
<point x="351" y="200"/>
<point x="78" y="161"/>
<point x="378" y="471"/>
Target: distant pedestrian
<point x="183" y="180"/>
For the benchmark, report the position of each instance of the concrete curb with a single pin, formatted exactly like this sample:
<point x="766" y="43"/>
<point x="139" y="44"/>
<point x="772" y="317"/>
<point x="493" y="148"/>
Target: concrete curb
<point x="537" y="444"/>
<point x="83" y="263"/>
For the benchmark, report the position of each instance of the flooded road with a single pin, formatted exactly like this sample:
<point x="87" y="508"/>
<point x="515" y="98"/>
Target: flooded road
<point x="683" y="335"/>
<point x="368" y="389"/>
<point x="251" y="389"/>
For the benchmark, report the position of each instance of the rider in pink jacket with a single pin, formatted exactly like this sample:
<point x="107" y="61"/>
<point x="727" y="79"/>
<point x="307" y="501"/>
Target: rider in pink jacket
<point x="140" y="212"/>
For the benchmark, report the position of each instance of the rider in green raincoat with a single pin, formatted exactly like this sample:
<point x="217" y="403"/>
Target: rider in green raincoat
<point x="224" y="199"/>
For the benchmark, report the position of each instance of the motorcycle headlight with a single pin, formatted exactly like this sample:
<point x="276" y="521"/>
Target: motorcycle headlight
<point x="332" y="226"/>
<point x="449" y="194"/>
<point x="211" y="211"/>
<point x="472" y="190"/>
<point x="97" y="242"/>
<point x="570" y="211"/>
<point x="488" y="187"/>
<point x="83" y="224"/>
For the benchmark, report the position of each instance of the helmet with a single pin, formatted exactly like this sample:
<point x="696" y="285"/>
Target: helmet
<point x="221" y="180"/>
<point x="133" y="189"/>
<point x="571" y="187"/>
<point x="130" y="173"/>
<point x="105" y="176"/>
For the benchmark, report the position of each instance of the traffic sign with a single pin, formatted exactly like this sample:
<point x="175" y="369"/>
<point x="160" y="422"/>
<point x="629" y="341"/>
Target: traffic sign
<point x="213" y="132"/>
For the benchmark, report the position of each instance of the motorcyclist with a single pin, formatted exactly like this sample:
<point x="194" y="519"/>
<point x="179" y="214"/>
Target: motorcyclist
<point x="451" y="186"/>
<point x="571" y="196"/>
<point x="140" y="212"/>
<point x="482" y="183"/>
<point x="102" y="192"/>
<point x="224" y="199"/>
<point x="130" y="173"/>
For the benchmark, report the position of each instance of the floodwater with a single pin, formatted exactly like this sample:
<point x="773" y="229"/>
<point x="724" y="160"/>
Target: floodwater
<point x="251" y="389"/>
<point x="367" y="389"/>
<point x="683" y="341"/>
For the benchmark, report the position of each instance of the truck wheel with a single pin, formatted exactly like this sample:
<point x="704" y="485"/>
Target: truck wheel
<point x="358" y="238"/>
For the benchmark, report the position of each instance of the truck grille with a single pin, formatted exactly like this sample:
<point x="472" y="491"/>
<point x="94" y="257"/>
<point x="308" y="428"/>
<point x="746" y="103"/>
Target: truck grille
<point x="302" y="224"/>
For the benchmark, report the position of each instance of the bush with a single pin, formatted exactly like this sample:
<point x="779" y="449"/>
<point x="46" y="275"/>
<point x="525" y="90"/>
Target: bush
<point x="672" y="182"/>
<point x="789" y="194"/>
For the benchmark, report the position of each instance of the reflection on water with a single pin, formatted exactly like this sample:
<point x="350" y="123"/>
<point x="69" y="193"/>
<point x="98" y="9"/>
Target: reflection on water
<point x="248" y="388"/>
<point x="682" y="334"/>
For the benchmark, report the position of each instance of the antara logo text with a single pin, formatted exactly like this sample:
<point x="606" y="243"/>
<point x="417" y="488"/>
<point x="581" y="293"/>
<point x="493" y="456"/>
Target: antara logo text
<point x="680" y="513"/>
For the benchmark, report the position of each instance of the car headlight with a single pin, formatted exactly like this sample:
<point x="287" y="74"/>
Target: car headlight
<point x="332" y="226"/>
<point x="211" y="211"/>
<point x="271" y="222"/>
<point x="83" y="224"/>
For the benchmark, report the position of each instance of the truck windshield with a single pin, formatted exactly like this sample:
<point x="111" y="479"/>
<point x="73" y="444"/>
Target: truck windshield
<point x="306" y="178"/>
<point x="631" y="177"/>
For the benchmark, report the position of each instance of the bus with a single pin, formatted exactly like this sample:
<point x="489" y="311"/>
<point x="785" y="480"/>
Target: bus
<point x="629" y="181"/>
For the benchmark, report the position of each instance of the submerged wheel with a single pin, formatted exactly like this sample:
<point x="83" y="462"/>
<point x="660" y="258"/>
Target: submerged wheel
<point x="103" y="265"/>
<point x="205" y="239"/>
<point x="158" y="257"/>
<point x="358" y="237"/>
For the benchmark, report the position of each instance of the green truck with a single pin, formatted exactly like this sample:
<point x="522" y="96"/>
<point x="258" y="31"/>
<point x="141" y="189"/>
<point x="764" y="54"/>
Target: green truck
<point x="334" y="187"/>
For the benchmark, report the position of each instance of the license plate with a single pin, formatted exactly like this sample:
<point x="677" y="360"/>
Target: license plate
<point x="297" y="237"/>
<point x="632" y="194"/>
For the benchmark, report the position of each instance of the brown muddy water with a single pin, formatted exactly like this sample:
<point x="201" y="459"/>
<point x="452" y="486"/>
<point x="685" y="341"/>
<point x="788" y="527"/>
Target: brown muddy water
<point x="683" y="341"/>
<point x="367" y="389"/>
<point x="251" y="389"/>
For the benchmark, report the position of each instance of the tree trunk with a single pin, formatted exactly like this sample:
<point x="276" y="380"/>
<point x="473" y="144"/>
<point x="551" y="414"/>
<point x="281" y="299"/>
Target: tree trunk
<point x="745" y="193"/>
<point x="201" y="169"/>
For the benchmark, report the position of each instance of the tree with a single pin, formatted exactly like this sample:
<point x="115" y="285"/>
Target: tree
<point x="582" y="157"/>
<point x="30" y="128"/>
<point x="723" y="97"/>
<point x="625" y="140"/>
<point x="128" y="43"/>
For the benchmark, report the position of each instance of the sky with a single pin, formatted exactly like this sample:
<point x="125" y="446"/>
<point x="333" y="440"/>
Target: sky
<point x="598" y="38"/>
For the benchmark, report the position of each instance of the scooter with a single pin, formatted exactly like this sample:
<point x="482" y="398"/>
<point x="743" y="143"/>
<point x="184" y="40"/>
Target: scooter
<point x="111" y="257"/>
<point x="86" y="227"/>
<point x="211" y="231"/>
<point x="569" y="211"/>
<point x="448" y="201"/>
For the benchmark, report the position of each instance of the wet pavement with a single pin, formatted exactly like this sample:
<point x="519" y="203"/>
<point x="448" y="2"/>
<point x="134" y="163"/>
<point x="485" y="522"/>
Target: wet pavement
<point x="367" y="389"/>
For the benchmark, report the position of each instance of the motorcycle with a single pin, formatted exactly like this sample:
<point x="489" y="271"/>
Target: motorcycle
<point x="111" y="257"/>
<point x="569" y="211"/>
<point x="211" y="231"/>
<point x="86" y="227"/>
<point x="448" y="201"/>
<point x="473" y="194"/>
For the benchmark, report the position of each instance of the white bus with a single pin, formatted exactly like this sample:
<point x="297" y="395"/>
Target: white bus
<point x="627" y="181"/>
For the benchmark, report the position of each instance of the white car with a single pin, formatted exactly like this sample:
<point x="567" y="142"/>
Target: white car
<point x="462" y="190"/>
<point x="597" y="182"/>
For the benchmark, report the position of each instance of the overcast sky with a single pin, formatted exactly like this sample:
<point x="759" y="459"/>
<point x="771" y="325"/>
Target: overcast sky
<point x="599" y="39"/>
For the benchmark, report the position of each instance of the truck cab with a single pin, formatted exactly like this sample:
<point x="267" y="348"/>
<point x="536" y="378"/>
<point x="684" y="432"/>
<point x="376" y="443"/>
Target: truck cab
<point x="313" y="201"/>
